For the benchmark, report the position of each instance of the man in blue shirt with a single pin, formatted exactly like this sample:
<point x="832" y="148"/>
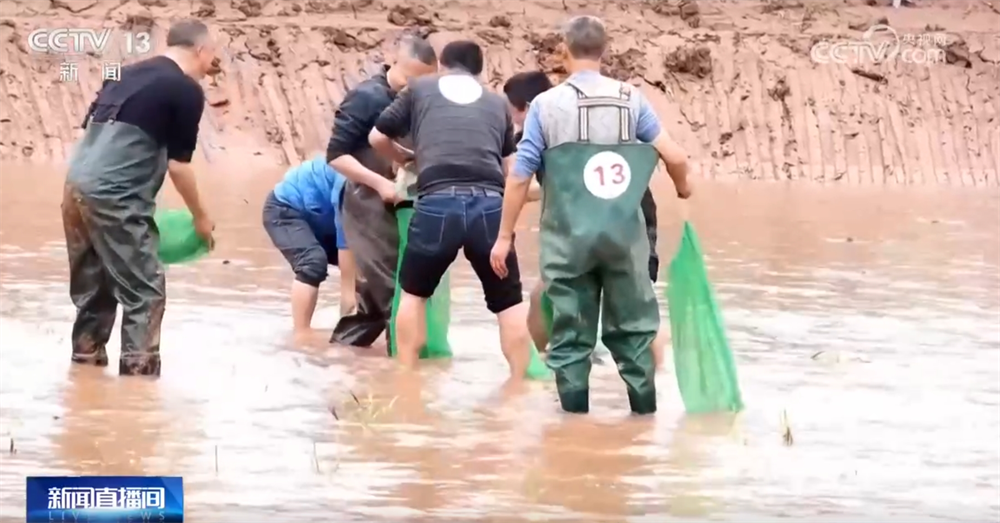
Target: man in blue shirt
<point x="301" y="215"/>
<point x="600" y="141"/>
<point x="521" y="89"/>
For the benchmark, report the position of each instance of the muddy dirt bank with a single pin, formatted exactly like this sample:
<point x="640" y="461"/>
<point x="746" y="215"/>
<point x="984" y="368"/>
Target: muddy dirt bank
<point x="734" y="81"/>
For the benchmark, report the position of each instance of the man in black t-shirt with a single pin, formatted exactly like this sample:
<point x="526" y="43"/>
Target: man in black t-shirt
<point x="138" y="129"/>
<point x="462" y="135"/>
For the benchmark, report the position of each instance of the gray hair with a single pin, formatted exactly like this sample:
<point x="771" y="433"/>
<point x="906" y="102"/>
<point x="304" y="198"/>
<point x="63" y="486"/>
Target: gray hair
<point x="188" y="33"/>
<point x="585" y="37"/>
<point x="419" y="49"/>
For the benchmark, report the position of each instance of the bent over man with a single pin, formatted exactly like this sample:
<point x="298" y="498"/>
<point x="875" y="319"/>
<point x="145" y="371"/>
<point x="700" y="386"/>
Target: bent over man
<point x="136" y="130"/>
<point x="369" y="222"/>
<point x="462" y="134"/>
<point x="591" y="134"/>
<point x="302" y="218"/>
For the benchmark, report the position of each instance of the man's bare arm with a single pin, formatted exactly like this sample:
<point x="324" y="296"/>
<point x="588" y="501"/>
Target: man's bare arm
<point x="674" y="157"/>
<point x="182" y="174"/>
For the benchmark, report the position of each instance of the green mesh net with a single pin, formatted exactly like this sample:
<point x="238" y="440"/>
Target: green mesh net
<point x="438" y="306"/>
<point x="179" y="243"/>
<point x="706" y="373"/>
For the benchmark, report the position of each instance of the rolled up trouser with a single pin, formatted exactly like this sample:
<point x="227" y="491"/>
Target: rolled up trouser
<point x="112" y="247"/>
<point x="291" y="233"/>
<point x="370" y="227"/>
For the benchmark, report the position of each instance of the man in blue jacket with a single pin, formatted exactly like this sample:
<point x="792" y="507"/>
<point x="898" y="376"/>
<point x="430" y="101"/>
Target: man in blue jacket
<point x="301" y="215"/>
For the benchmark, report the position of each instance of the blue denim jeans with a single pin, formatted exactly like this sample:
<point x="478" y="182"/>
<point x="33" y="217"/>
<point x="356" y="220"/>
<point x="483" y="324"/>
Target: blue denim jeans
<point x="460" y="218"/>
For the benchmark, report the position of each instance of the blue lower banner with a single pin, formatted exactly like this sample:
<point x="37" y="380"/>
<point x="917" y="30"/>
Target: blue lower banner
<point x="105" y="498"/>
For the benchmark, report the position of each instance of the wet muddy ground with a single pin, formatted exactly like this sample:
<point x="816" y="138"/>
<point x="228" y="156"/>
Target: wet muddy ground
<point x="870" y="317"/>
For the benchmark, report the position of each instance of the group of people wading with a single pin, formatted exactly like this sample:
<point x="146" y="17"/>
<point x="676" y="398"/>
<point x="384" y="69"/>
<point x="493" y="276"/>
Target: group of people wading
<point x="591" y="141"/>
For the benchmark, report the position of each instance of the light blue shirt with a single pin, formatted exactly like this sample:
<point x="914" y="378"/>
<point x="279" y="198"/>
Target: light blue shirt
<point x="314" y="189"/>
<point x="532" y="144"/>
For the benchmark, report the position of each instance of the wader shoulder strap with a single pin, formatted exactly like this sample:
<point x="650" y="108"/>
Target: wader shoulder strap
<point x="584" y="103"/>
<point x="118" y="92"/>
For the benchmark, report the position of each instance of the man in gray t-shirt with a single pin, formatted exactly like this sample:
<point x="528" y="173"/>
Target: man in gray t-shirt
<point x="462" y="136"/>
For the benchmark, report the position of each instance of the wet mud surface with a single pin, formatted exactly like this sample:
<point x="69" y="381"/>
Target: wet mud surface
<point x="867" y="317"/>
<point x="733" y="80"/>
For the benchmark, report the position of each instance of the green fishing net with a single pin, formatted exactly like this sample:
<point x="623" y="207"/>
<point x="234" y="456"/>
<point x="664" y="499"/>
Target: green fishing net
<point x="703" y="362"/>
<point x="438" y="306"/>
<point x="179" y="243"/>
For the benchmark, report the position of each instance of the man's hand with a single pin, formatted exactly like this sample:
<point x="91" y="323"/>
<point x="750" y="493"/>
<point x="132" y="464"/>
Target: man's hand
<point x="387" y="190"/>
<point x="498" y="256"/>
<point x="683" y="190"/>
<point x="204" y="227"/>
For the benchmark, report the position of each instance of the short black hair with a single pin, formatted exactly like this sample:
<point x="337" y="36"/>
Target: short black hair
<point x="187" y="33"/>
<point x="522" y="88"/>
<point x="421" y="49"/>
<point x="463" y="54"/>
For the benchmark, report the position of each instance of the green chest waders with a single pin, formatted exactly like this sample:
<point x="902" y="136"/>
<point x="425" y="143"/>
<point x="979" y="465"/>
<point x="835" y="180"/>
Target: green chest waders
<point x="115" y="174"/>
<point x="439" y="304"/>
<point x="594" y="254"/>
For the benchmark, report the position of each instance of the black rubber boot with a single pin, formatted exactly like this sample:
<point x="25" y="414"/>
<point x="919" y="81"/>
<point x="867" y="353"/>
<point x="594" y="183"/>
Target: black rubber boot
<point x="575" y="402"/>
<point x="642" y="404"/>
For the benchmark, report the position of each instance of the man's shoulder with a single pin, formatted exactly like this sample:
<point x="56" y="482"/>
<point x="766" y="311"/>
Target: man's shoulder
<point x="556" y="92"/>
<point x="373" y="88"/>
<point x="496" y="99"/>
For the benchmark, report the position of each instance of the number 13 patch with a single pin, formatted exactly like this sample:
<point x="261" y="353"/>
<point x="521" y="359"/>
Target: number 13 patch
<point x="607" y="175"/>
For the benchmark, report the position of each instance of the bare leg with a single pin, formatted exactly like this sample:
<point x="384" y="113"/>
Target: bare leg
<point x="304" y="298"/>
<point x="348" y="275"/>
<point x="536" y="323"/>
<point x="659" y="348"/>
<point x="514" y="339"/>
<point x="411" y="329"/>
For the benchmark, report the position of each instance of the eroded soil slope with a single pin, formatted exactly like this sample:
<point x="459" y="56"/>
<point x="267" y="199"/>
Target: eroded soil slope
<point x="733" y="79"/>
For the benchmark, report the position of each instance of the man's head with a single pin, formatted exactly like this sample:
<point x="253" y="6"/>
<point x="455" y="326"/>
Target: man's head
<point x="415" y="57"/>
<point x="193" y="39"/>
<point x="521" y="89"/>
<point x="463" y="55"/>
<point x="585" y="39"/>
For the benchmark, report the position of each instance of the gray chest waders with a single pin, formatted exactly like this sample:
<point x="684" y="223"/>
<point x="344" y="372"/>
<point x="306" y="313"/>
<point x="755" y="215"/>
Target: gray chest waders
<point x="594" y="255"/>
<point x="115" y="174"/>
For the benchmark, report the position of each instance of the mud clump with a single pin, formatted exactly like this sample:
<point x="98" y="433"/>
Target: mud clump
<point x="690" y="13"/>
<point x="138" y="22"/>
<point x="406" y="16"/>
<point x="265" y="48"/>
<point x="696" y="61"/>
<point x="625" y="66"/>
<point x="250" y="8"/>
<point x="500" y="21"/>
<point x="773" y="6"/>
<point x="957" y="53"/>
<point x="687" y="10"/>
<point x="864" y="26"/>
<point x="548" y="52"/>
<point x="205" y="9"/>
<point x="779" y="91"/>
<point x="494" y="36"/>
<point x="345" y="41"/>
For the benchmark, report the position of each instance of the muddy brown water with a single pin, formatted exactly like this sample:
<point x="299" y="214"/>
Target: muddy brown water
<point x="869" y="316"/>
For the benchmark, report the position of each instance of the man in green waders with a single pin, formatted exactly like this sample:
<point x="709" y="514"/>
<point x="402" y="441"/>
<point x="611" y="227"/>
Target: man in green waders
<point x="521" y="89"/>
<point x="592" y="134"/>
<point x="139" y="128"/>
